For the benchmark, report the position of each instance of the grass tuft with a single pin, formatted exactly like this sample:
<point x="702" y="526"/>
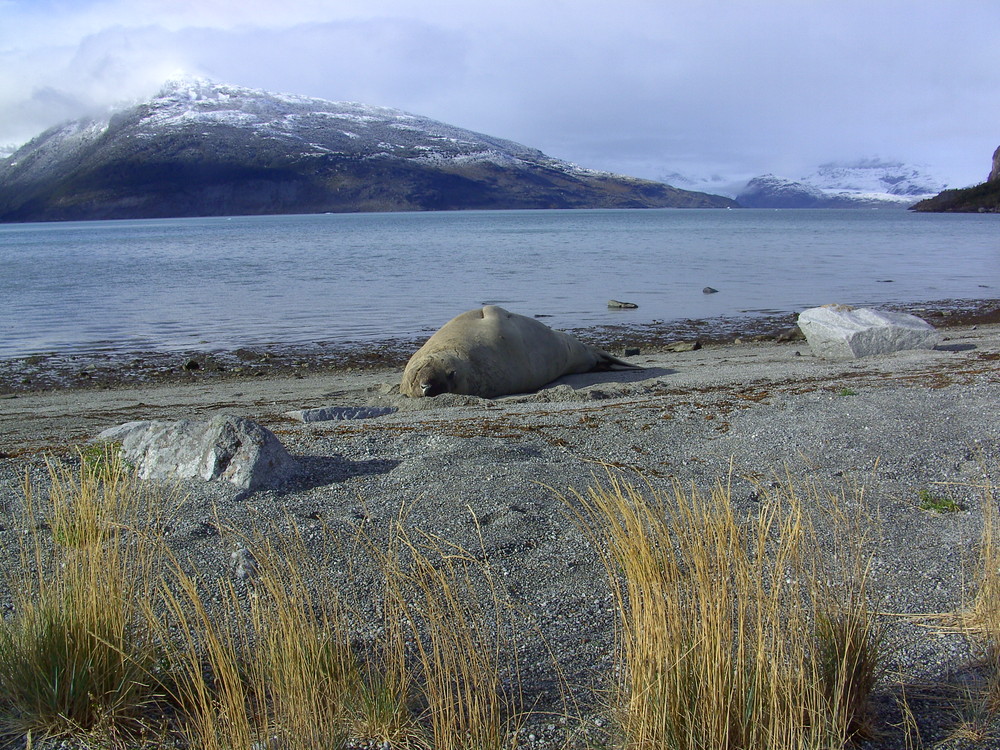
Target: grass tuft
<point x="270" y="662"/>
<point x="937" y="503"/>
<point x="982" y="620"/>
<point x="725" y="639"/>
<point x="458" y="642"/>
<point x="268" y="668"/>
<point x="78" y="655"/>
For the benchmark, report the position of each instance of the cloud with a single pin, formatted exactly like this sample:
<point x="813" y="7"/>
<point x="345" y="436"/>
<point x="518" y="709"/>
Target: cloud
<point x="647" y="87"/>
<point x="381" y="62"/>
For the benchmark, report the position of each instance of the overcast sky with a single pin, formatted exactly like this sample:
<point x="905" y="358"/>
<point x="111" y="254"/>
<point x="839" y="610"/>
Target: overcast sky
<point x="724" y="89"/>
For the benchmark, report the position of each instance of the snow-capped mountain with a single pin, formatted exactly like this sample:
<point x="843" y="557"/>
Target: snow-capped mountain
<point x="869" y="183"/>
<point x="770" y="191"/>
<point x="875" y="177"/>
<point x="203" y="148"/>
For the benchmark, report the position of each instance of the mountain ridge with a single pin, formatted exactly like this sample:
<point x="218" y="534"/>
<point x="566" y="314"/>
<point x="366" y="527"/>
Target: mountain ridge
<point x="200" y="148"/>
<point x="866" y="183"/>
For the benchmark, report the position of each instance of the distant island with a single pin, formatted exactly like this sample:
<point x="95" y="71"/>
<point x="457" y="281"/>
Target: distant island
<point x="200" y="148"/>
<point x="982" y="198"/>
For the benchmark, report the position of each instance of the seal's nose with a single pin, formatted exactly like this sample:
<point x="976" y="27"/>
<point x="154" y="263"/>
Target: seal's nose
<point x="424" y="387"/>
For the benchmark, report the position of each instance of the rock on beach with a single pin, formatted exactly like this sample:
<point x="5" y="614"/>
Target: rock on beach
<point x="843" y="332"/>
<point x="225" y="448"/>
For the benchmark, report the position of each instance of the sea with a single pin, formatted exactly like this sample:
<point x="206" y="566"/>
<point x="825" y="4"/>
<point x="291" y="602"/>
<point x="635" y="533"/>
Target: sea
<point x="221" y="283"/>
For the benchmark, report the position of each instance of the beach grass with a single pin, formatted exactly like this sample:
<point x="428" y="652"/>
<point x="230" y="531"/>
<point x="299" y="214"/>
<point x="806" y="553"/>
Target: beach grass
<point x="729" y="633"/>
<point x="982" y="619"/>
<point x="457" y="625"/>
<point x="113" y="639"/>
<point x="286" y="673"/>
<point x="254" y="669"/>
<point x="78" y="654"/>
<point x="734" y="629"/>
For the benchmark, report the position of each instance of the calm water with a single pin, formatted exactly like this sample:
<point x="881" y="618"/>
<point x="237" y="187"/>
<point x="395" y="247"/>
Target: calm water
<point x="221" y="283"/>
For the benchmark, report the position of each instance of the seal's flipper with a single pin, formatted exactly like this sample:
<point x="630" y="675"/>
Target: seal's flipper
<point x="607" y="361"/>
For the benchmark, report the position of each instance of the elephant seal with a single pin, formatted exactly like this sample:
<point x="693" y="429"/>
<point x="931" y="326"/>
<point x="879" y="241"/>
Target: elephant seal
<point x="491" y="352"/>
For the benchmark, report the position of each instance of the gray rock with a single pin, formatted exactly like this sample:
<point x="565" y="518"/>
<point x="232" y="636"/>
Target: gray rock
<point x="229" y="449"/>
<point x="243" y="564"/>
<point x="616" y="305"/>
<point x="790" y="334"/>
<point x="443" y="400"/>
<point x="842" y="332"/>
<point x="332" y="413"/>
<point x="709" y="290"/>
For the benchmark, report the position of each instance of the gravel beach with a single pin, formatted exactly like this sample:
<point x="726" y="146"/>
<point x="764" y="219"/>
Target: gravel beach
<point x="487" y="474"/>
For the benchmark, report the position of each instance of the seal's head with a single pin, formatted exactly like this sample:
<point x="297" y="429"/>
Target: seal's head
<point x="430" y="376"/>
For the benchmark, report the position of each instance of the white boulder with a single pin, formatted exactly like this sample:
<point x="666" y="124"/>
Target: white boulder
<point x="842" y="332"/>
<point x="230" y="449"/>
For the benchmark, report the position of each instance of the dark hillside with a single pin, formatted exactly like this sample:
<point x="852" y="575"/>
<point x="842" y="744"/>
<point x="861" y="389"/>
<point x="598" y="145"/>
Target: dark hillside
<point x="982" y="198"/>
<point x="202" y="149"/>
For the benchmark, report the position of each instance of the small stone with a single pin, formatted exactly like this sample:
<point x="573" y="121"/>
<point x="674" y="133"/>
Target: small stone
<point x="616" y="305"/>
<point x="683" y="346"/>
<point x="709" y="290"/>
<point x="790" y="334"/>
<point x="244" y="564"/>
<point x="192" y="364"/>
<point x="631" y="351"/>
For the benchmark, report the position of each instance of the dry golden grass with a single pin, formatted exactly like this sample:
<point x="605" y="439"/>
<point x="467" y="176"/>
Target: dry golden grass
<point x="78" y="655"/>
<point x="981" y="621"/>
<point x="270" y="662"/>
<point x="725" y="639"/>
<point x="263" y="667"/>
<point x="732" y="633"/>
<point x="458" y="642"/>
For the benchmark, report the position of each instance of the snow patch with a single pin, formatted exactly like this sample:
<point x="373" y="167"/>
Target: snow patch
<point x="875" y="176"/>
<point x="863" y="184"/>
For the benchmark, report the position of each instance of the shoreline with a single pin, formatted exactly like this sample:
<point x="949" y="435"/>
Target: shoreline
<point x="119" y="369"/>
